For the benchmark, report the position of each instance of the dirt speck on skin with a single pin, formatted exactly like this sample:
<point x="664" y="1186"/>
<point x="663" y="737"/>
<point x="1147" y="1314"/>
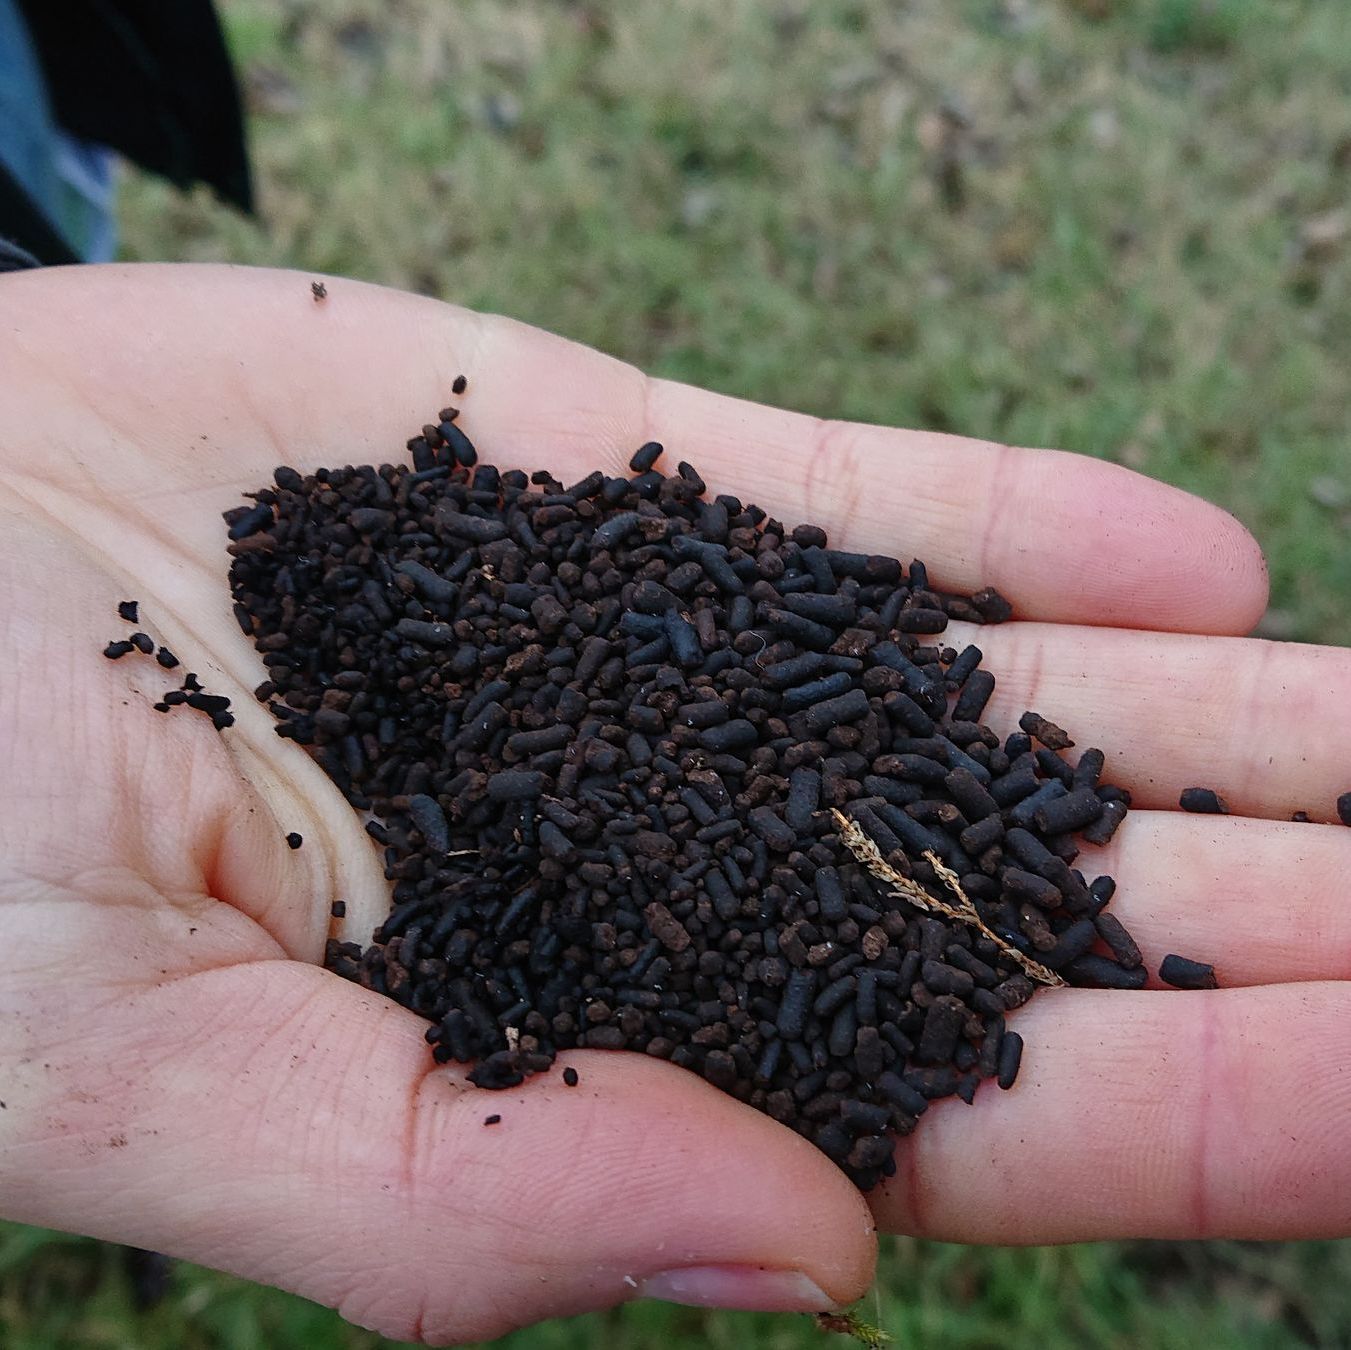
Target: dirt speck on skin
<point x="118" y="1141"/>
<point x="318" y="290"/>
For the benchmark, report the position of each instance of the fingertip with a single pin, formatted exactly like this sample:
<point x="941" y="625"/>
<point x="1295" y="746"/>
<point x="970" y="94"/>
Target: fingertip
<point x="1125" y="550"/>
<point x="1248" y="567"/>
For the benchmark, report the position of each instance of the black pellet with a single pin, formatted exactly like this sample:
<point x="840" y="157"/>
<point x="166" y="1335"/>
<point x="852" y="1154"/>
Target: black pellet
<point x="917" y="839"/>
<point x="865" y="1004"/>
<point x="1031" y="852"/>
<point x="975" y="839"/>
<point x="128" y="610"/>
<point x="833" y="712"/>
<point x="776" y="832"/>
<point x="830" y="895"/>
<point x="250" y="522"/>
<point x="967" y="661"/>
<point x="804" y="797"/>
<point x="1030" y="886"/>
<point x="795" y="670"/>
<point x="896" y="1089"/>
<point x="1101" y="830"/>
<point x="843" y="1031"/>
<point x="613" y="531"/>
<point x="987" y="1057"/>
<point x="114" y="650"/>
<point x="1203" y="801"/>
<point x="797" y="995"/>
<point x="431" y="585"/>
<point x="893" y="790"/>
<point x="942" y="978"/>
<point x="1070" y="945"/>
<point x="424" y="633"/>
<point x="1014" y="786"/>
<point x="1024" y="813"/>
<point x="1055" y="767"/>
<point x="805" y="695"/>
<point x="808" y="633"/>
<point x="645" y="457"/>
<point x="738" y="734"/>
<point x="1123" y="946"/>
<point x="1089" y="769"/>
<point x="1098" y="972"/>
<point x="570" y="1078"/>
<point x="462" y="450"/>
<point x="294" y="840"/>
<point x="900" y="707"/>
<point x="918" y="769"/>
<point x="921" y="621"/>
<point x="1183" y="973"/>
<point x="971" y="796"/>
<point x="430" y="820"/>
<point x="975" y="694"/>
<point x="1102" y="890"/>
<point x="942" y="1026"/>
<point x="142" y="642"/>
<point x="1071" y="812"/>
<point x="835" y="995"/>
<point x="1010" y="1057"/>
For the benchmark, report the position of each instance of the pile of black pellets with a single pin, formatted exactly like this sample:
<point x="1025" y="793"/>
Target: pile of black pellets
<point x="609" y="735"/>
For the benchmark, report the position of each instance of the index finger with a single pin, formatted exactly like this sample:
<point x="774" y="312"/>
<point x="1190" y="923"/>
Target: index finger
<point x="164" y="348"/>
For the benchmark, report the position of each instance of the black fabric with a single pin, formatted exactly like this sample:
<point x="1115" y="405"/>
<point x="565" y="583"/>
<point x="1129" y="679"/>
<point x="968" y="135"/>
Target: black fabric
<point x="27" y="237"/>
<point x="150" y="78"/>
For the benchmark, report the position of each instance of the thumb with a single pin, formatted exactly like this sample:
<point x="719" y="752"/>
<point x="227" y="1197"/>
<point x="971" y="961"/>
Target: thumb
<point x="288" y="1127"/>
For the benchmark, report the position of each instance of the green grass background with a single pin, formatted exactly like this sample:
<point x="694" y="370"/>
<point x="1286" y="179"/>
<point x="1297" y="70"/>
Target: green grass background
<point x="1121" y="227"/>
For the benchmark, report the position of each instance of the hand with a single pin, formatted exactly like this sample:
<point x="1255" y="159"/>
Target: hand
<point x="180" y="1074"/>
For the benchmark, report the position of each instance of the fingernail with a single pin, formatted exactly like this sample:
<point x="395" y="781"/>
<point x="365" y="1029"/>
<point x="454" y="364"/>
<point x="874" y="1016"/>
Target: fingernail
<point x="752" y="1288"/>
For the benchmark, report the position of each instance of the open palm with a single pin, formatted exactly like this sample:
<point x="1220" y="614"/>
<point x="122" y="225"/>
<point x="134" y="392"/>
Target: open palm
<point x="178" y="1072"/>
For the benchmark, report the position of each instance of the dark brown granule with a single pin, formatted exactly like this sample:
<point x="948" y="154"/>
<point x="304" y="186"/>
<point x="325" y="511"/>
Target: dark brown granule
<point x="492" y="1120"/>
<point x="1050" y="735"/>
<point x="602" y="731"/>
<point x="1183" y="973"/>
<point x="115" y="650"/>
<point x="143" y="643"/>
<point x="1203" y="801"/>
<point x="166" y="658"/>
<point x="128" y="610"/>
<point x="570" y="1077"/>
<point x="459" y="385"/>
<point x="294" y="840"/>
<point x="338" y="909"/>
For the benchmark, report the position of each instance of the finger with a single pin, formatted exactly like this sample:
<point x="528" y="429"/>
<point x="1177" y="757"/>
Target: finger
<point x="277" y="1122"/>
<point x="1178" y="1115"/>
<point x="1263" y="901"/>
<point x="1263" y="723"/>
<point x="223" y="354"/>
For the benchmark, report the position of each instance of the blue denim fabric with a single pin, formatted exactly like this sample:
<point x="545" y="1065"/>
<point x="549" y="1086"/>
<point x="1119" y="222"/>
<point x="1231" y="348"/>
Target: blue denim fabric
<point x="69" y="179"/>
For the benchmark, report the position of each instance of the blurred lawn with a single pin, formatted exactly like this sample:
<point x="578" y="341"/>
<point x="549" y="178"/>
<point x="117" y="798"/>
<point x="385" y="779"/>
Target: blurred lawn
<point x="1117" y="226"/>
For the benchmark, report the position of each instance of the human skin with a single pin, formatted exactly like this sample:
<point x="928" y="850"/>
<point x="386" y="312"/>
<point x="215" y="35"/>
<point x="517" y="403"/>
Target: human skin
<point x="179" y="1073"/>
